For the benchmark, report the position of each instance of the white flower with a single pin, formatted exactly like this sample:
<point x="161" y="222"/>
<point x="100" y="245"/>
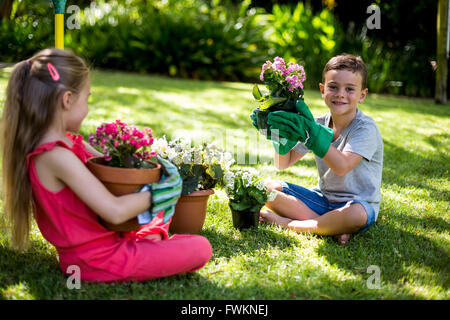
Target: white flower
<point x="160" y="146"/>
<point x="229" y="179"/>
<point x="187" y="157"/>
<point x="176" y="160"/>
<point x="171" y="154"/>
<point x="260" y="185"/>
<point x="197" y="156"/>
<point x="272" y="195"/>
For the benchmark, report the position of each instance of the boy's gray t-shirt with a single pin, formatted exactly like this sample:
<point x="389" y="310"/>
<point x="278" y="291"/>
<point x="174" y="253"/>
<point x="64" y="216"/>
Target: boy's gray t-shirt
<point x="364" y="181"/>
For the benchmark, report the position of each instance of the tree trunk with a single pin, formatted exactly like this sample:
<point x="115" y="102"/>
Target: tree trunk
<point x="442" y="57"/>
<point x="5" y="9"/>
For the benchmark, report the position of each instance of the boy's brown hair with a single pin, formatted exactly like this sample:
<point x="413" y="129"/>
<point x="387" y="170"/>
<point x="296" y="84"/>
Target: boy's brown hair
<point x="349" y="62"/>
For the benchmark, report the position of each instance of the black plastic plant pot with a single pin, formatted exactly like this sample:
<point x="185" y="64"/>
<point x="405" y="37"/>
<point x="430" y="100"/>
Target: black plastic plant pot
<point x="245" y="219"/>
<point x="288" y="106"/>
<point x="261" y="119"/>
<point x="262" y="115"/>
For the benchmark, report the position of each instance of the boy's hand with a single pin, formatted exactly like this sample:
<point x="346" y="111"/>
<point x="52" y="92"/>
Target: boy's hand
<point x="303" y="109"/>
<point x="165" y="193"/>
<point x="295" y="127"/>
<point x="281" y="145"/>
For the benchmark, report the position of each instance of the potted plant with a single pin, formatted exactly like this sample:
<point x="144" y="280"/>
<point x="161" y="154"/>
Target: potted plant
<point x="201" y="168"/>
<point x="285" y="86"/>
<point x="127" y="164"/>
<point x="247" y="194"/>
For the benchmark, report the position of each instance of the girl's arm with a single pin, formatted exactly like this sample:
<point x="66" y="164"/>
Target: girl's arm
<point x="285" y="161"/>
<point x="68" y="169"/>
<point x="92" y="150"/>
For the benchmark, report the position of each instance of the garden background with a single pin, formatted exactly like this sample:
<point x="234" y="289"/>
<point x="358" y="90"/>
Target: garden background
<point x="191" y="64"/>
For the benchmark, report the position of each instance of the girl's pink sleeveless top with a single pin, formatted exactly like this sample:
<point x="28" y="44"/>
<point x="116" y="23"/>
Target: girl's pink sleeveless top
<point x="73" y="227"/>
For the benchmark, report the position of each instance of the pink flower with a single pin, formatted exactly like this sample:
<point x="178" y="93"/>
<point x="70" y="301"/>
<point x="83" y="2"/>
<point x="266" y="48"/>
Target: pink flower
<point x="114" y="138"/>
<point x="125" y="137"/>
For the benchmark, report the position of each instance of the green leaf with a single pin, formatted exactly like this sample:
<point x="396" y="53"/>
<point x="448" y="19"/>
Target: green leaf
<point x="189" y="185"/>
<point x="256" y="93"/>
<point x="270" y="101"/>
<point x="240" y="206"/>
<point x="215" y="171"/>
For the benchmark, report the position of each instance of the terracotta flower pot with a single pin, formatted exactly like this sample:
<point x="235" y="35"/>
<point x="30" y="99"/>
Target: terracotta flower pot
<point x="121" y="181"/>
<point x="190" y="212"/>
<point x="245" y="219"/>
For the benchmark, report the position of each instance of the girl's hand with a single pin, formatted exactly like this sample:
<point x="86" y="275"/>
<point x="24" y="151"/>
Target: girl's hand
<point x="155" y="237"/>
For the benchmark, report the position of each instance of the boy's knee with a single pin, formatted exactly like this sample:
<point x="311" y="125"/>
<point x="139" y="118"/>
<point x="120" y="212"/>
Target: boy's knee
<point x="358" y="216"/>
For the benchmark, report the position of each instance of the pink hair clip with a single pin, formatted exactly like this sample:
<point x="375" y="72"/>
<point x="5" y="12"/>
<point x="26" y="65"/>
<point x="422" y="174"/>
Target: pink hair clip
<point x="53" y="72"/>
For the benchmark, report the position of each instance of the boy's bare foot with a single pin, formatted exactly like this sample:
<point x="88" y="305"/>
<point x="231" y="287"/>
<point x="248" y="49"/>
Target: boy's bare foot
<point x="272" y="217"/>
<point x="342" y="239"/>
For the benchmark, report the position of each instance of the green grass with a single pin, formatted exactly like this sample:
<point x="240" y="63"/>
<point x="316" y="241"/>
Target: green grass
<point x="409" y="242"/>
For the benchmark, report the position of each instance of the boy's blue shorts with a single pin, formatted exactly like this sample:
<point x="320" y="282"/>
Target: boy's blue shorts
<point x="318" y="203"/>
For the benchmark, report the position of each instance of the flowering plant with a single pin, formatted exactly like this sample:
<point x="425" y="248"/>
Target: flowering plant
<point x="201" y="167"/>
<point x="284" y="82"/>
<point x="246" y="190"/>
<point x="124" y="146"/>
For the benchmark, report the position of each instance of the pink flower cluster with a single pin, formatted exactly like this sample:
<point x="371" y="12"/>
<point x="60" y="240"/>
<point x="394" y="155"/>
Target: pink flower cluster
<point x="119" y="139"/>
<point x="292" y="75"/>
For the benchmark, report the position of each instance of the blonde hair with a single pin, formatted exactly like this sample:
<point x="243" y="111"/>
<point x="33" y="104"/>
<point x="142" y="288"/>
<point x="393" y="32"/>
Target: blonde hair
<point x="32" y="98"/>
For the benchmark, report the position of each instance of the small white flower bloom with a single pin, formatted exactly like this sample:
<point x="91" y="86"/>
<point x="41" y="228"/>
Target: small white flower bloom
<point x="272" y="195"/>
<point x="177" y="161"/>
<point x="260" y="185"/>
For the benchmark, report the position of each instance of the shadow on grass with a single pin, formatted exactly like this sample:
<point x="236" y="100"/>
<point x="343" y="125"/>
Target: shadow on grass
<point x="37" y="269"/>
<point x="251" y="240"/>
<point x="404" y="258"/>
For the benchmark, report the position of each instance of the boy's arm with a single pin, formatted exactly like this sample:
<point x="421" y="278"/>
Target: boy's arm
<point x="285" y="161"/>
<point x="341" y="162"/>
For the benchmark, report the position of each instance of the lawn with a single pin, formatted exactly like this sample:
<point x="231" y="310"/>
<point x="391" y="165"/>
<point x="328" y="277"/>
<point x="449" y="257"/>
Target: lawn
<point x="410" y="242"/>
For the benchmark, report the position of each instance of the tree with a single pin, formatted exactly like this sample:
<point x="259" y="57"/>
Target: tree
<point x="5" y="9"/>
<point x="442" y="57"/>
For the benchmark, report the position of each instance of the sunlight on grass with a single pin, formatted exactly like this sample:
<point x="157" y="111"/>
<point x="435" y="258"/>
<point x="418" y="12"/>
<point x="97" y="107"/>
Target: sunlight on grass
<point x="18" y="291"/>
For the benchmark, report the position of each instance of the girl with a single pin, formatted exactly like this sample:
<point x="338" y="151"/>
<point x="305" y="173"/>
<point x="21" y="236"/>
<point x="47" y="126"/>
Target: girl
<point x="44" y="171"/>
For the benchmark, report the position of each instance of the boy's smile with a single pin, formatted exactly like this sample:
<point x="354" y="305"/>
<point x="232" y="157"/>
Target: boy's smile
<point x="342" y="91"/>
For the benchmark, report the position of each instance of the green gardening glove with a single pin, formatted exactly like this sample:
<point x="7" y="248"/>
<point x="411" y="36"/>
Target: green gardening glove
<point x="165" y="193"/>
<point x="302" y="127"/>
<point x="281" y="145"/>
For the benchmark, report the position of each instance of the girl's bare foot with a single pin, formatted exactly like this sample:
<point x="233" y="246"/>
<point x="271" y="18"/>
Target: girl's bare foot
<point x="271" y="217"/>
<point x="342" y="239"/>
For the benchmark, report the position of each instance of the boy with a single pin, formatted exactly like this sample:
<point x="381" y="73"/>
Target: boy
<point x="349" y="157"/>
